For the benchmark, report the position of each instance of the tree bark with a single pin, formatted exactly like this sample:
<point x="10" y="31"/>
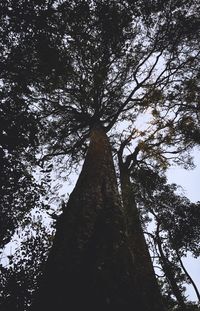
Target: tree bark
<point x="91" y="266"/>
<point x="147" y="287"/>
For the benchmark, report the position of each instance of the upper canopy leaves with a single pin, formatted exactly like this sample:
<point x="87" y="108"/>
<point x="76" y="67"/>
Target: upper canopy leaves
<point x="77" y="63"/>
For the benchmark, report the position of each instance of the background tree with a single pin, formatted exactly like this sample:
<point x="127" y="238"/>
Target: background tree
<point x="19" y="277"/>
<point x="18" y="140"/>
<point x="172" y="221"/>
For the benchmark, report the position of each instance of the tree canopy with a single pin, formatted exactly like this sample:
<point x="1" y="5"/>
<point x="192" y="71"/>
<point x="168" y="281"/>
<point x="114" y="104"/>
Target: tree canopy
<point x="76" y="63"/>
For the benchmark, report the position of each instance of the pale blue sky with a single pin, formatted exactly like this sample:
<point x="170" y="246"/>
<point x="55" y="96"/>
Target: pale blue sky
<point x="188" y="179"/>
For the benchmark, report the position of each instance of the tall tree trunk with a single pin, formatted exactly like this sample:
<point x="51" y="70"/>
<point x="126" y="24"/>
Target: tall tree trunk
<point x="167" y="269"/>
<point x="91" y="266"/>
<point x="147" y="287"/>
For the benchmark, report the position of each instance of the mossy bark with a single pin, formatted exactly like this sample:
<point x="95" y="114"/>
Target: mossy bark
<point x="147" y="289"/>
<point x="91" y="266"/>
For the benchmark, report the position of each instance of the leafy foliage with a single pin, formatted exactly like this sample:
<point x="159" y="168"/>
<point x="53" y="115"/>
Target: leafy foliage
<point x="20" y="277"/>
<point x="81" y="62"/>
<point x="18" y="140"/>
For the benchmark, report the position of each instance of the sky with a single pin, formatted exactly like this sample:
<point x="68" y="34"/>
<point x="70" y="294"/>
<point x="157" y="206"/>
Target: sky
<point x="188" y="179"/>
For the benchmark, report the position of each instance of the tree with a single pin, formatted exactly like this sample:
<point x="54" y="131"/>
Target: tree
<point x="91" y="258"/>
<point x="91" y="62"/>
<point x="176" y="232"/>
<point x="144" y="273"/>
